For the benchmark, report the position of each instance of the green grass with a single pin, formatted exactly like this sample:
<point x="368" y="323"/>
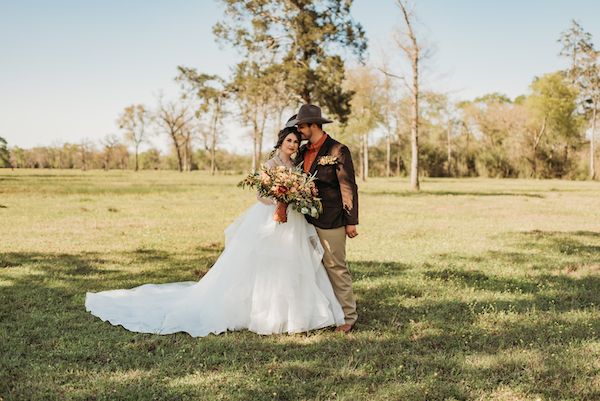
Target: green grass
<point x="473" y="289"/>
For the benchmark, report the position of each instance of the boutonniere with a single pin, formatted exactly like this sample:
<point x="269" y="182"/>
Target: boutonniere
<point x="327" y="160"/>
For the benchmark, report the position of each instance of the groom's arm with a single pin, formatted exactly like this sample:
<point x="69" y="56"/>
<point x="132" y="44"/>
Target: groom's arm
<point x="348" y="188"/>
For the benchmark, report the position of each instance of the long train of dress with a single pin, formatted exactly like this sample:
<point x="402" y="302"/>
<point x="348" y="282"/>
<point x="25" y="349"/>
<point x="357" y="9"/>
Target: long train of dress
<point x="269" y="279"/>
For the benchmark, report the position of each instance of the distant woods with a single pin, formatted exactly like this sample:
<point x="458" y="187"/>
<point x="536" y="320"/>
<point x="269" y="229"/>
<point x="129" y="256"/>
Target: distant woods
<point x="395" y="123"/>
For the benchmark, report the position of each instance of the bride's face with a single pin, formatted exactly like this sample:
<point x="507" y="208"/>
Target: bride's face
<point x="290" y="144"/>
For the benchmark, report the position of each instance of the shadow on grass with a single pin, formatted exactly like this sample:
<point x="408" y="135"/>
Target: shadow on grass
<point x="458" y="327"/>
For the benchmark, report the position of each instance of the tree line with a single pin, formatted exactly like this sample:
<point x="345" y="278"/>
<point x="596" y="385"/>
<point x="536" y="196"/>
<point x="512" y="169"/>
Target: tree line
<point x="300" y="51"/>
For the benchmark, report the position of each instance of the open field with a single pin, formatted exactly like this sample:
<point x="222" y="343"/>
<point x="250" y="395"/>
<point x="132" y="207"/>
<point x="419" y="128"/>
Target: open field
<point x="473" y="289"/>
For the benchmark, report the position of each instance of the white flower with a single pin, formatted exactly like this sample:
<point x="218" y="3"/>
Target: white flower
<point x="327" y="160"/>
<point x="304" y="210"/>
<point x="314" y="212"/>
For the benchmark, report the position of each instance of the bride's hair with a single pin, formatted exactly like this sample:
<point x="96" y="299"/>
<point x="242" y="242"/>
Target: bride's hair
<point x="281" y="137"/>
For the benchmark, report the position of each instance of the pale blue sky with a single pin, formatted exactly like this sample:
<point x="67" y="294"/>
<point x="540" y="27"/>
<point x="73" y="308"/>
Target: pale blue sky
<point x="67" y="68"/>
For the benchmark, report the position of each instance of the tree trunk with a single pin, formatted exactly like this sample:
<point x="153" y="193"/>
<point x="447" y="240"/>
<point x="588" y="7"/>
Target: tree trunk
<point x="565" y="160"/>
<point x="361" y="156"/>
<point x="414" y="129"/>
<point x="536" y="143"/>
<point x="366" y="157"/>
<point x="213" y="139"/>
<point x="593" y="147"/>
<point x="413" y="51"/>
<point x="137" y="151"/>
<point x="388" y="154"/>
<point x="449" y="149"/>
<point x="254" y="144"/>
<point x="260" y="135"/>
<point x="178" y="152"/>
<point x="398" y="162"/>
<point x="188" y="151"/>
<point x="254" y="156"/>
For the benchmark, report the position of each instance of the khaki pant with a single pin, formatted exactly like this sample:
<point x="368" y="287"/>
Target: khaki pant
<point x="334" y="260"/>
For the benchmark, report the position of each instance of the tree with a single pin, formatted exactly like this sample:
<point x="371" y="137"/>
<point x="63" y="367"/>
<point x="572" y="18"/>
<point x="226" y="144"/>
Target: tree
<point x="490" y="121"/>
<point x="584" y="74"/>
<point x="86" y="150"/>
<point x="257" y="91"/>
<point x="389" y="113"/>
<point x="552" y="105"/>
<point x="575" y="43"/>
<point x="150" y="159"/>
<point x="590" y="90"/>
<point x="134" y="120"/>
<point x="211" y="91"/>
<point x="406" y="40"/>
<point x="366" y="111"/>
<point x="413" y="51"/>
<point x="109" y="143"/>
<point x="4" y="154"/>
<point x="439" y="117"/>
<point x="175" y="118"/>
<point x="306" y="38"/>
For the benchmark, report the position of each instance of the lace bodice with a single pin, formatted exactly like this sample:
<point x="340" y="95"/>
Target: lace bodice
<point x="277" y="161"/>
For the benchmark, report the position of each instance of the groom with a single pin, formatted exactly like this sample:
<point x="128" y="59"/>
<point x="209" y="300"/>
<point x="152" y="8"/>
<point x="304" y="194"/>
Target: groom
<point x="335" y="181"/>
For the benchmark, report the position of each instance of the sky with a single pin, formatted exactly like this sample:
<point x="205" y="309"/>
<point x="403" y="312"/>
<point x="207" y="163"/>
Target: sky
<point x="68" y="68"/>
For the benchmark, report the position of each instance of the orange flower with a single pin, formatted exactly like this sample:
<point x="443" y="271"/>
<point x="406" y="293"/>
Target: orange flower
<point x="281" y="190"/>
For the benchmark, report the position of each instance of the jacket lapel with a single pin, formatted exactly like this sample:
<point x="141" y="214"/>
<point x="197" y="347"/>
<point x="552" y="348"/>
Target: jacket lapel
<point x="322" y="151"/>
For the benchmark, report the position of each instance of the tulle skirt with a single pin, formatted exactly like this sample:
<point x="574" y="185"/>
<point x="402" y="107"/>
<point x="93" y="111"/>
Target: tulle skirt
<point x="269" y="279"/>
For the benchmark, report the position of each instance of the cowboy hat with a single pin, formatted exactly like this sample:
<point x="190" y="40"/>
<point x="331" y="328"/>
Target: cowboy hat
<point x="292" y="121"/>
<point x="309" y="113"/>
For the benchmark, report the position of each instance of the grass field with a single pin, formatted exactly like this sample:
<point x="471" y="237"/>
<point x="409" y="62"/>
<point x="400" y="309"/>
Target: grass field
<point x="472" y="289"/>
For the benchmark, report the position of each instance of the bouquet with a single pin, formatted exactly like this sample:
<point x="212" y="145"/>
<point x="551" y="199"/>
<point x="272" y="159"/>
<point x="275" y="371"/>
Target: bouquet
<point x="288" y="187"/>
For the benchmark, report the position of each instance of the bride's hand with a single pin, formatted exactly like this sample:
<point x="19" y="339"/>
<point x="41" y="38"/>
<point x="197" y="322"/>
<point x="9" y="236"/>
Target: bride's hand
<point x="280" y="215"/>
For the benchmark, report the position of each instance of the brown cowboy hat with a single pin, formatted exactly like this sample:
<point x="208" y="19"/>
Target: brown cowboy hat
<point x="309" y="113"/>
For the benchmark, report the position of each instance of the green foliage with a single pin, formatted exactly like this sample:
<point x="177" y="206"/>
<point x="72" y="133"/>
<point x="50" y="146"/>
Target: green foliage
<point x="552" y="104"/>
<point x="367" y="104"/>
<point x="493" y="98"/>
<point x="306" y="38"/>
<point x="226" y="162"/>
<point x="209" y="89"/>
<point x="150" y="160"/>
<point x="553" y="99"/>
<point x="4" y="153"/>
<point x="432" y="160"/>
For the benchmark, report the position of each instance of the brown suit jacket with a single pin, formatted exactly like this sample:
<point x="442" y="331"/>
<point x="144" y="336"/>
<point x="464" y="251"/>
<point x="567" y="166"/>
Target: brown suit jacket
<point x="336" y="185"/>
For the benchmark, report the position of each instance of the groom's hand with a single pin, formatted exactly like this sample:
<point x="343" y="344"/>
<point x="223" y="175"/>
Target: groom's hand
<point x="351" y="231"/>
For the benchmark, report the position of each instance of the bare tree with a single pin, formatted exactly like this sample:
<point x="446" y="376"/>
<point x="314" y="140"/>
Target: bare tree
<point x="109" y="144"/>
<point x="412" y="50"/>
<point x="407" y="42"/>
<point x="86" y="149"/>
<point x="389" y="108"/>
<point x="585" y="76"/>
<point x="175" y="119"/>
<point x="134" y="120"/>
<point x="590" y="89"/>
<point x="211" y="91"/>
<point x="367" y="111"/>
<point x="255" y="91"/>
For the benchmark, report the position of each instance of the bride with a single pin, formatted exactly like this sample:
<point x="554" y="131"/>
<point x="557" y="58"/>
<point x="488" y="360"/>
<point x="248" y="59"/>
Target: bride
<point x="269" y="279"/>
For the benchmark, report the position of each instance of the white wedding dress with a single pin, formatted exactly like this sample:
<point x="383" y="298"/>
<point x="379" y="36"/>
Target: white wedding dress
<point x="269" y="279"/>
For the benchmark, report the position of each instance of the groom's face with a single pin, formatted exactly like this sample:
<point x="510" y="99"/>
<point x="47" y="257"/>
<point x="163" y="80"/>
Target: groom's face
<point x="305" y="131"/>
